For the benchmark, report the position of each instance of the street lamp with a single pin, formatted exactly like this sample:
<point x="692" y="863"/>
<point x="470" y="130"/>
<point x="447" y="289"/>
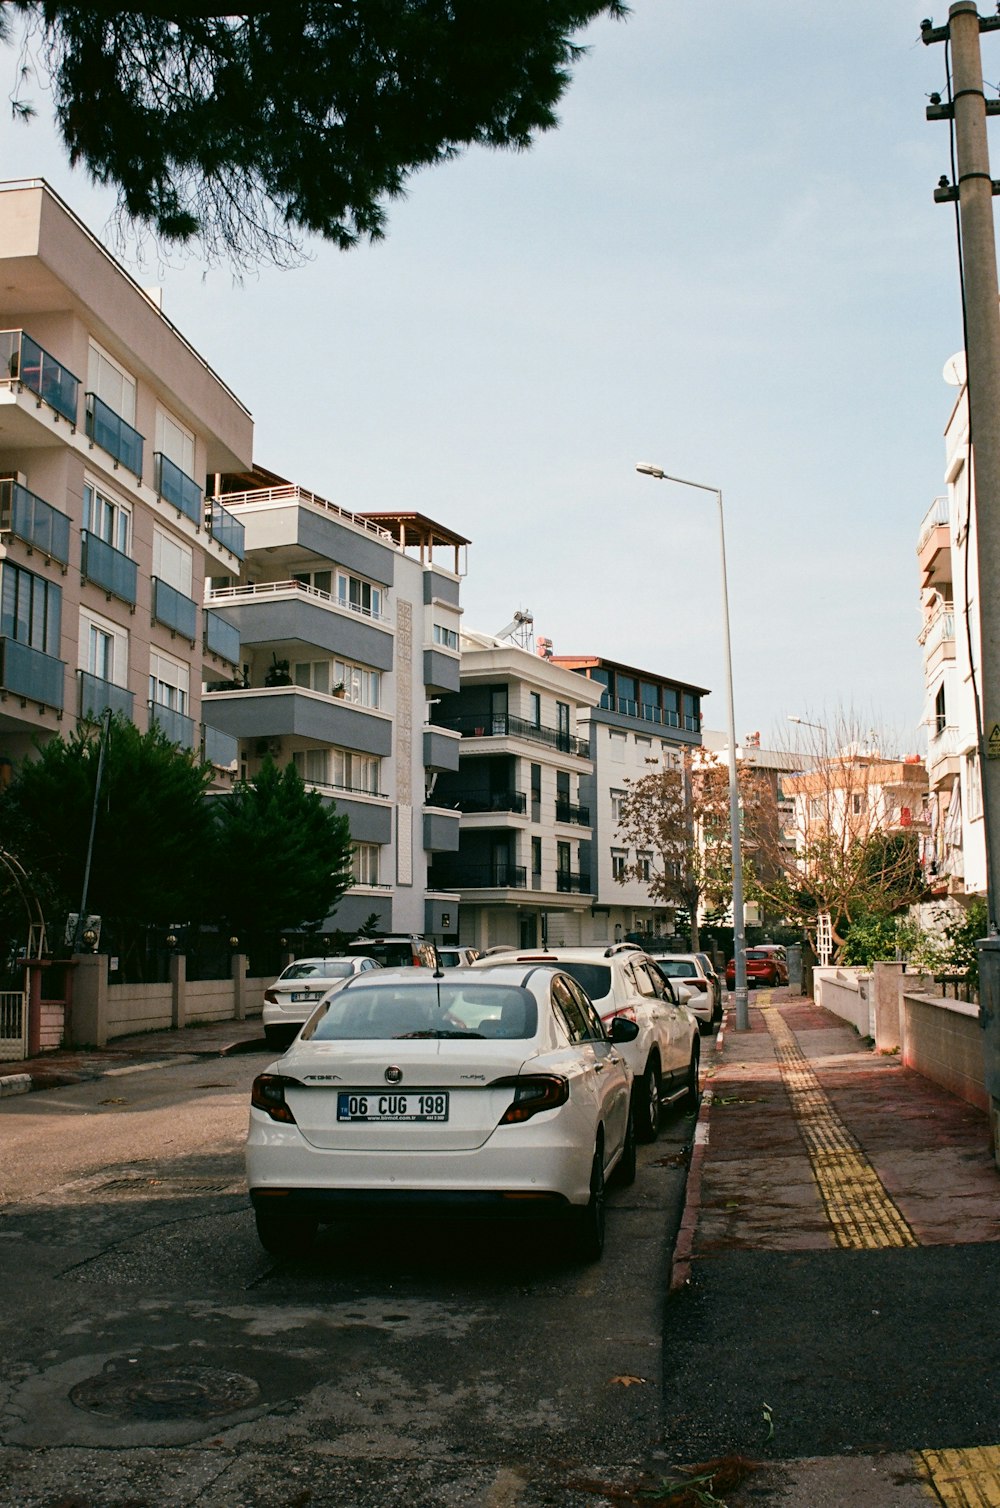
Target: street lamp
<point x="739" y="922"/>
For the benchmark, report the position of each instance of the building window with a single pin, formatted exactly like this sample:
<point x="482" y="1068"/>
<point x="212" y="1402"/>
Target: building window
<point x="536" y="855"/>
<point x="815" y="808"/>
<point x="365" y="863"/>
<point x="535" y="709"/>
<point x="445" y="636"/>
<point x="858" y="802"/>
<point x="645" y="865"/>
<point x="319" y="581"/>
<point x="619" y="858"/>
<point x="692" y="714"/>
<point x="625" y="689"/>
<point x="30" y="609"/>
<point x="171" y="561"/>
<point x="563" y="853"/>
<point x="112" y="384"/>
<point x="562" y="719"/>
<point x="169" y="682"/>
<point x="103" y="648"/>
<point x="106" y="518"/>
<point x="175" y="442"/>
<point x="617" y="747"/>
<point x="940" y="712"/>
<point x="617" y="797"/>
<point x="313" y="765"/>
<point x="359" y="595"/>
<point x="355" y="772"/>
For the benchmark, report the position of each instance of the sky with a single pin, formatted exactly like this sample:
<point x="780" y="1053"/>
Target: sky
<point x="727" y="262"/>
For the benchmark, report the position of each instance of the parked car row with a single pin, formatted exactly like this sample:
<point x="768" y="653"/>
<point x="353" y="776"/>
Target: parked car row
<point x="515" y="1085"/>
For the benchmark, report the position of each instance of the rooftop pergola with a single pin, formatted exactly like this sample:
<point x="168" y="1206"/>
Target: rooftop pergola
<point x="417" y="531"/>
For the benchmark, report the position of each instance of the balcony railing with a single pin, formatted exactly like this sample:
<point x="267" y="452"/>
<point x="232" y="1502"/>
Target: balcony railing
<point x="226" y="529"/>
<point x="663" y="717"/>
<point x="177" y="488"/>
<point x="292" y="494"/>
<point x="504" y="725"/>
<point x="23" y="360"/>
<point x="178" y="728"/>
<point x="938" y="630"/>
<point x="570" y="880"/>
<point x="942" y="741"/>
<point x="567" y="812"/>
<point x="486" y="801"/>
<point x="478" y="877"/>
<point x="221" y="638"/>
<point x="936" y="515"/>
<point x="107" y="567"/>
<point x="98" y="696"/>
<point x="336" y="788"/>
<point x="258" y="589"/>
<point x="35" y="522"/>
<point x="218" y="748"/>
<point x="29" y="673"/>
<point x="110" y="431"/>
<point x="174" y="610"/>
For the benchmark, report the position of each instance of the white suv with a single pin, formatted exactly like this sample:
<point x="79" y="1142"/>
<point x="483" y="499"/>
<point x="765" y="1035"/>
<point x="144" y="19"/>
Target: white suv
<point x="621" y="980"/>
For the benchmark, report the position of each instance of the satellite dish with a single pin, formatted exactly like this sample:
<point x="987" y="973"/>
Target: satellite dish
<point x="954" y="370"/>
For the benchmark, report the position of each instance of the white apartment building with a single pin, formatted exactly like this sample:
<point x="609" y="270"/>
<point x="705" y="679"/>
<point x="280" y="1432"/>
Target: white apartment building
<point x="949" y="591"/>
<point x="108" y="418"/>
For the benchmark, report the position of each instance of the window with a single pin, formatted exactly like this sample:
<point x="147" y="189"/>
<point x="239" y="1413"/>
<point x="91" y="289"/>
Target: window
<point x="362" y="687"/>
<point x="562" y="719"/>
<point x="644" y="862"/>
<point x="365" y="863"/>
<point x="107" y="518"/>
<point x="103" y="648"/>
<point x="562" y="788"/>
<point x="536" y="855"/>
<point x="174" y="441"/>
<point x="112" y="384"/>
<point x="940" y="712"/>
<point x="625" y="689"/>
<point x="320" y="581"/>
<point x="617" y="747"/>
<point x="563" y="857"/>
<point x="692" y="715"/>
<point x="619" y="858"/>
<point x="168" y="682"/>
<point x="815" y="808"/>
<point x="859" y="800"/>
<point x="171" y="561"/>
<point x="650" y="697"/>
<point x="446" y="636"/>
<point x="355" y="772"/>
<point x="569" y="1008"/>
<point x="360" y="595"/>
<point x="535" y="709"/>
<point x="313" y="765"/>
<point x="617" y="797"/>
<point x="314" y="675"/>
<point x="30" y="609"/>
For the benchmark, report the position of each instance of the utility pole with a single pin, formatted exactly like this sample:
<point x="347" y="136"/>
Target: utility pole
<point x="974" y="192"/>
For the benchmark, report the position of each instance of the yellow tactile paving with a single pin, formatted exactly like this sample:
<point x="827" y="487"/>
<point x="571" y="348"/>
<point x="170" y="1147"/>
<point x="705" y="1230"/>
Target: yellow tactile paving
<point x="963" y="1478"/>
<point x="861" y="1214"/>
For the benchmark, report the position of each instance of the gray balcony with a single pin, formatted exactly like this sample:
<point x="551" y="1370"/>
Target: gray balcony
<point x="113" y="434"/>
<point x="442" y="672"/>
<point x="291" y="612"/>
<point x="221" y="638"/>
<point x="225" y="529"/>
<point x="174" y="610"/>
<point x="505" y="725"/>
<point x="441" y="750"/>
<point x="29" y="673"/>
<point x="268" y="713"/>
<point x="33" y="521"/>
<point x="178" y="728"/>
<point x="98" y="696"/>
<point x="440" y="830"/>
<point x="174" y="486"/>
<point x="107" y="568"/>
<point x="219" y="749"/>
<point x="23" y="360"/>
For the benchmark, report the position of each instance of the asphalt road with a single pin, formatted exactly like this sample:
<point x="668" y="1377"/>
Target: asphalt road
<point x="155" y="1355"/>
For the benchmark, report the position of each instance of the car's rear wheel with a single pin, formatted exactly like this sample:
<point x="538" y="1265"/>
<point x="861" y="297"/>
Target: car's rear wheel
<point x="278" y="1037"/>
<point x="647" y="1103"/>
<point x="588" y="1236"/>
<point x="689" y="1099"/>
<point x="625" y="1171"/>
<point x="284" y="1236"/>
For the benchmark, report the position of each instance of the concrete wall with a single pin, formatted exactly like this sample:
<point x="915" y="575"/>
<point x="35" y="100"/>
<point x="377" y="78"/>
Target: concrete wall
<point x="943" y="1041"/>
<point x="100" y="1011"/>
<point x="848" y="994"/>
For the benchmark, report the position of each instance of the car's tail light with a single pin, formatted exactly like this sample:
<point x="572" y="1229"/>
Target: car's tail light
<point x="534" y="1092"/>
<point x="268" y="1094"/>
<point x="627" y="1013"/>
<point x="271" y="996"/>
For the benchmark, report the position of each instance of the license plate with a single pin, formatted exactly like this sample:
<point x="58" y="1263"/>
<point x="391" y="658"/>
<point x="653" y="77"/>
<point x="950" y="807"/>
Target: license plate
<point x="374" y="1105"/>
<point x="304" y="995"/>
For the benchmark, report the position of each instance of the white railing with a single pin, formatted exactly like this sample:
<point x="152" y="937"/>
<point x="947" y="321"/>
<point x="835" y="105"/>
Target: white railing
<point x="941" y="742"/>
<point x="13" y="1026"/>
<point x="282" y="588"/>
<point x="936" y="514"/>
<point x="939" y="628"/>
<point x="293" y="494"/>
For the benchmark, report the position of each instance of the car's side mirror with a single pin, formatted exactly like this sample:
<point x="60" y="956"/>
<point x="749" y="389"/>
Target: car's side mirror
<point x="623" y="1030"/>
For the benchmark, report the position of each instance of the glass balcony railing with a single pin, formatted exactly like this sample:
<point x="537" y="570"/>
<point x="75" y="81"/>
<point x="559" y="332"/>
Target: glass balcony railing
<point x="23" y="360"/>
<point x="177" y="488"/>
<point x="177" y="727"/>
<point x="221" y="638"/>
<point x="496" y="876"/>
<point x="36" y="522"/>
<point x="97" y="696"/>
<point x="648" y="712"/>
<point x="110" y="431"/>
<point x="107" y="567"/>
<point x="569" y="880"/>
<point x="485" y="801"/>
<point x="218" y="748"/>
<point x="226" y="529"/>
<point x="567" y="812"/>
<point x="174" y="610"/>
<point x="29" y="673"/>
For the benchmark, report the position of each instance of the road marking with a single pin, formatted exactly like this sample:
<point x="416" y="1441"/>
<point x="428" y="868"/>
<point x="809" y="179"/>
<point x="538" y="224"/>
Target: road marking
<point x="964" y="1478"/>
<point x="860" y="1211"/>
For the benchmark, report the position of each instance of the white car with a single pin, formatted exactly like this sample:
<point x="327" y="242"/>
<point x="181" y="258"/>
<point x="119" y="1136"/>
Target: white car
<point x="622" y="982"/>
<point x="688" y="970"/>
<point x="456" y="958"/>
<point x="299" y="988"/>
<point x="494" y="1093"/>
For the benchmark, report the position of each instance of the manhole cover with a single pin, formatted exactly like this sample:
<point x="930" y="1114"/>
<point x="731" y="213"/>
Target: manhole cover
<point x="129" y="1391"/>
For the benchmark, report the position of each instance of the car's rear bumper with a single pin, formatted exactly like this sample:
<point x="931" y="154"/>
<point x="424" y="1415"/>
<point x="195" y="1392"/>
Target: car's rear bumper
<point x="326" y="1205"/>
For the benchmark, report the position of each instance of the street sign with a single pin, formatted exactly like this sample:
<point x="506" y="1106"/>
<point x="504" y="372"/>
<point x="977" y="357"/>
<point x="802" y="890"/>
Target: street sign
<point x="993" y="741"/>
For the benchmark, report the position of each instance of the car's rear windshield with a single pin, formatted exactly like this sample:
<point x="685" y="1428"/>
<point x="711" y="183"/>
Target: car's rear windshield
<point x="317" y="968"/>
<point x="677" y="968"/>
<point x="435" y="1009"/>
<point x="595" y="978"/>
<point x="393" y="955"/>
<point x="755" y="953"/>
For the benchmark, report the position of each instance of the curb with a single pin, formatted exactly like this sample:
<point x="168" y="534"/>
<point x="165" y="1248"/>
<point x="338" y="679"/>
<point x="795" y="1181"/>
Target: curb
<point x="15" y="1083"/>
<point x="51" y="1078"/>
<point x="680" y="1266"/>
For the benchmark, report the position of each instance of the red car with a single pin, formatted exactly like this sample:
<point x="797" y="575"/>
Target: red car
<point x="763" y="967"/>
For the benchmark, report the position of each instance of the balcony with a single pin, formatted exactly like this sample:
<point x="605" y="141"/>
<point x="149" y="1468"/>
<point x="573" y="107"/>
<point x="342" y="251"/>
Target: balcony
<point x="107" y="567"/>
<point x="503" y="725"/>
<point x="938" y="637"/>
<point x="97" y="696"/>
<point x="220" y="638"/>
<point x="29" y="673"/>
<point x="23" y="360"/>
<point x="441" y="750"/>
<point x="218" y="748"/>
<point x="934" y="545"/>
<point x="174" y="486"/>
<point x="174" y="610"/>
<point x="568" y="880"/>
<point x="225" y="529"/>
<point x="287" y="612"/>
<point x="566" y="812"/>
<point x="478" y="877"/>
<point x="36" y="523"/>
<point x="487" y="801"/>
<point x="178" y="728"/>
<point x="110" y="431"/>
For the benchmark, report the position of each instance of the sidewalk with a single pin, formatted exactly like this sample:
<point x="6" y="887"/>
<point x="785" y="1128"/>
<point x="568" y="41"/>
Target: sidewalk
<point x="833" y="1316"/>
<point x="217" y="1039"/>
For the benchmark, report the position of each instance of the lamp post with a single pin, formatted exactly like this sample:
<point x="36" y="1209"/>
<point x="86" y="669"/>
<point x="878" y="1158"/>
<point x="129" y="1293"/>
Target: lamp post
<point x="739" y="923"/>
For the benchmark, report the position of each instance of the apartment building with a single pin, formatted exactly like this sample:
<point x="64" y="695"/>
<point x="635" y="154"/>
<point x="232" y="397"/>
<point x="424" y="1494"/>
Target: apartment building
<point x="523" y="866"/>
<point x="108" y="418"/>
<point x="855" y="794"/>
<point x="949" y="592"/>
<point x="638" y="722"/>
<point x="349" y="627"/>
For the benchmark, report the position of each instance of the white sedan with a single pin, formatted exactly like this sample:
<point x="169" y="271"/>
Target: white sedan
<point x="299" y="988"/>
<point x="466" y="1092"/>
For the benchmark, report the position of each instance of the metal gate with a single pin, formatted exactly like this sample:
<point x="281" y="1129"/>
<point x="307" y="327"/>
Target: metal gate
<point x="13" y="1026"/>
